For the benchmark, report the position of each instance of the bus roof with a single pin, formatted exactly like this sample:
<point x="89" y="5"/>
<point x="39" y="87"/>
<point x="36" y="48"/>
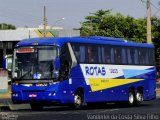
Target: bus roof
<point x="90" y="39"/>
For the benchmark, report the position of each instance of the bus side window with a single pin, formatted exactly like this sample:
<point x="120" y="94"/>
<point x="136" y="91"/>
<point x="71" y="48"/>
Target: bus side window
<point x="65" y="59"/>
<point x="118" y="58"/>
<point x="129" y="56"/>
<point x="136" y="57"/>
<point x="76" y="51"/>
<point x="82" y="52"/>
<point x="99" y="55"/>
<point x="141" y="56"/>
<point x="106" y="54"/>
<point x="112" y="55"/>
<point x="123" y="53"/>
<point x="151" y="56"/>
<point x="147" y="57"/>
<point x="92" y="52"/>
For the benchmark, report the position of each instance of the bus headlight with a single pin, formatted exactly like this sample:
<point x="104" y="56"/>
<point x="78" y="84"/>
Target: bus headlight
<point x="52" y="94"/>
<point x="15" y="94"/>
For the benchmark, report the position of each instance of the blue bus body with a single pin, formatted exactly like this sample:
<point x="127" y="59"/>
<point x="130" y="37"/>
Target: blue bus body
<point x="99" y="82"/>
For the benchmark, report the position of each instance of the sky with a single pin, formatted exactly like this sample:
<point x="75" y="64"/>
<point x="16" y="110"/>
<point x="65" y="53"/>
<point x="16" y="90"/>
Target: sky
<point x="30" y="12"/>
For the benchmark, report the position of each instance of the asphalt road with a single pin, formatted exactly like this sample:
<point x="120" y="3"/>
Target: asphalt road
<point x="147" y="111"/>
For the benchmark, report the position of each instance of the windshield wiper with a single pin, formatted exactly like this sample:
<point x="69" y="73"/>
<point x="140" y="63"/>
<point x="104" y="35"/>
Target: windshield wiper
<point x="25" y="74"/>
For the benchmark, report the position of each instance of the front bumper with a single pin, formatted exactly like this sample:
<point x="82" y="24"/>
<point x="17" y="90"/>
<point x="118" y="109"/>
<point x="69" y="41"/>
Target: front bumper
<point x="26" y="97"/>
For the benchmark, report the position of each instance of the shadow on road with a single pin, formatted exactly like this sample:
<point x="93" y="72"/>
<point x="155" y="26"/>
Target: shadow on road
<point x="96" y="106"/>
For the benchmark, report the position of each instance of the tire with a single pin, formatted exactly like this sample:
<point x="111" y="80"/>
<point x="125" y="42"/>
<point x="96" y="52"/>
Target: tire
<point x="139" y="98"/>
<point x="78" y="100"/>
<point x="131" y="98"/>
<point x="36" y="106"/>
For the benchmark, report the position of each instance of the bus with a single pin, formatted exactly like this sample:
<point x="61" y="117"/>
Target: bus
<point x="79" y="71"/>
<point x="7" y="65"/>
<point x="7" y="62"/>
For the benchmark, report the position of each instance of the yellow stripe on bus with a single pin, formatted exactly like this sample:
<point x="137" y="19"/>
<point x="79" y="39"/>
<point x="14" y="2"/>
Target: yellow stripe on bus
<point x="101" y="83"/>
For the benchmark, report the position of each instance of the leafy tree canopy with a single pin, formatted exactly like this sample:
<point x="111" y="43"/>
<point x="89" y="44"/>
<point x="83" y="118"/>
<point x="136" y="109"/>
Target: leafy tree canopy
<point x="104" y="23"/>
<point x="4" y="26"/>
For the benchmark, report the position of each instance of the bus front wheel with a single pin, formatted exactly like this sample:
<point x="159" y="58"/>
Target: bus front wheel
<point x="78" y="100"/>
<point x="139" y="98"/>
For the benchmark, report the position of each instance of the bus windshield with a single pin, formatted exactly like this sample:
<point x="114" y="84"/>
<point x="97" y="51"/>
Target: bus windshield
<point x="34" y="62"/>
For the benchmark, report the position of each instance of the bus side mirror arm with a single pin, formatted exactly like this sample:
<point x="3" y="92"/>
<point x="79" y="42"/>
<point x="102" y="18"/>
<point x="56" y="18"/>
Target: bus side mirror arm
<point x="56" y="69"/>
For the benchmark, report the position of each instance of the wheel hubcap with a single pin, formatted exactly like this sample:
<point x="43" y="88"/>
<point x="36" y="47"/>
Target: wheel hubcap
<point x="131" y="98"/>
<point x="139" y="97"/>
<point x="77" y="100"/>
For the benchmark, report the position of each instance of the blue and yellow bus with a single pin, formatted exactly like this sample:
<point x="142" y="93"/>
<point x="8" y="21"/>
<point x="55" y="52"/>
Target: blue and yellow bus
<point x="82" y="70"/>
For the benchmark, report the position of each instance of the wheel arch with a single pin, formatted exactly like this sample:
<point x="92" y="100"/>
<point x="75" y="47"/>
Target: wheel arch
<point x="131" y="89"/>
<point x="140" y="89"/>
<point x="80" y="89"/>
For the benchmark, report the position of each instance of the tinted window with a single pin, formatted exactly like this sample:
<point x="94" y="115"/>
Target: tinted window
<point x="92" y="54"/>
<point x="136" y="57"/>
<point x="109" y="54"/>
<point x="151" y="57"/>
<point x="124" y="55"/>
<point x="118" y="55"/>
<point x="80" y="52"/>
<point x="106" y="54"/>
<point x="129" y="57"/>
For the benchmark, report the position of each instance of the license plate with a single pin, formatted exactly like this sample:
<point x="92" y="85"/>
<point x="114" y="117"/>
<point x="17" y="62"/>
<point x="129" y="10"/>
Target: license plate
<point x="32" y="95"/>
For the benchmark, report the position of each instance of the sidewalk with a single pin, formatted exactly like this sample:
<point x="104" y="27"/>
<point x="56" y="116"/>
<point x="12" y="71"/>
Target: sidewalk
<point x="5" y="99"/>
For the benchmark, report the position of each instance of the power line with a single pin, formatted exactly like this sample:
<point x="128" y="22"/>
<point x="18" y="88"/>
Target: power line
<point x="155" y="6"/>
<point x="144" y="2"/>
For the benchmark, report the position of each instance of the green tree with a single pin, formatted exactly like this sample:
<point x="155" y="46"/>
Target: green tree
<point x="103" y="23"/>
<point x="4" y="26"/>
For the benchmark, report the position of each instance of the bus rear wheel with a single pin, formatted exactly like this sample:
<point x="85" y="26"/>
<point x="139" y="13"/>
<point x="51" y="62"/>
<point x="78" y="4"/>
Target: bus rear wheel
<point x="131" y="98"/>
<point x="139" y="98"/>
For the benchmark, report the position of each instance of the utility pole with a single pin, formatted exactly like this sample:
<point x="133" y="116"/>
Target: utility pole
<point x="149" y="37"/>
<point x="45" y="21"/>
